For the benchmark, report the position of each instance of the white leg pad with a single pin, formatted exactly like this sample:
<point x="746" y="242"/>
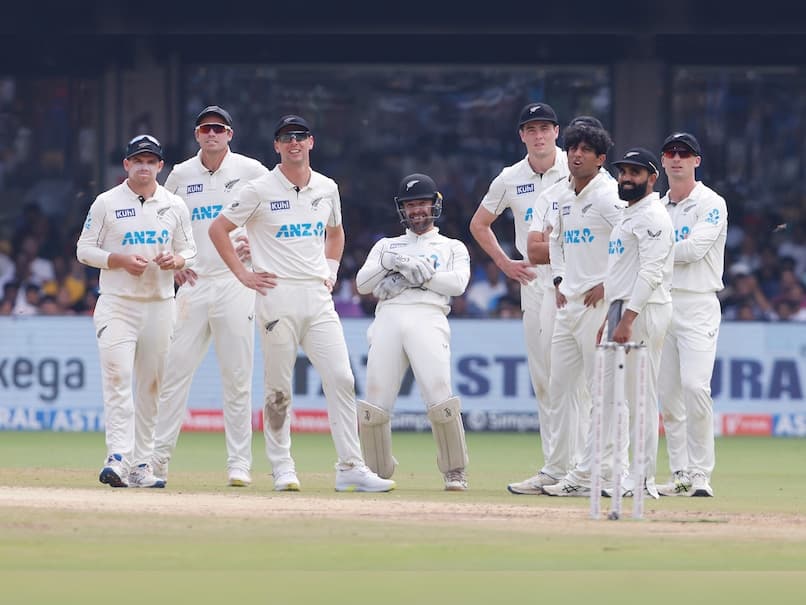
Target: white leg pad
<point x="449" y="433"/>
<point x="375" y="434"/>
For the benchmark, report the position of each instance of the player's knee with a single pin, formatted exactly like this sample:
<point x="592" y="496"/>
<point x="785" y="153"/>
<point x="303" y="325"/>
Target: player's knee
<point x="695" y="389"/>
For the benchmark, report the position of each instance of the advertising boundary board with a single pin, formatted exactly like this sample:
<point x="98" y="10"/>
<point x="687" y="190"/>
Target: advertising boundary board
<point x="50" y="379"/>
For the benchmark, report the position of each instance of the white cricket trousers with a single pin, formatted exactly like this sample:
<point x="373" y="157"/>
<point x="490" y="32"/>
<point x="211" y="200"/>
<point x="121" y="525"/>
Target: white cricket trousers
<point x="133" y="340"/>
<point x="222" y="309"/>
<point x="649" y="328"/>
<point x="573" y="353"/>
<point x="403" y="335"/>
<point x="539" y="310"/>
<point x="301" y="313"/>
<point x="685" y="381"/>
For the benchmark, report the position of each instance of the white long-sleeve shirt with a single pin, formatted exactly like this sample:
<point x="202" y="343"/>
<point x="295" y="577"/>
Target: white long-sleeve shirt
<point x="544" y="216"/>
<point x="641" y="255"/>
<point x="701" y="229"/>
<point x="449" y="257"/>
<point x="286" y="227"/>
<point x="518" y="187"/>
<point x="118" y="221"/>
<point x="206" y="195"/>
<point x="578" y="244"/>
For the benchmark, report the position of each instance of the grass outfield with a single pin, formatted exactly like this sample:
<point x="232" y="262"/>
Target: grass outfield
<point x="66" y="538"/>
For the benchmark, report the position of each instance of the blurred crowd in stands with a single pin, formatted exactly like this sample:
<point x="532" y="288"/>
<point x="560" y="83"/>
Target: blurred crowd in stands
<point x="764" y="273"/>
<point x="365" y="146"/>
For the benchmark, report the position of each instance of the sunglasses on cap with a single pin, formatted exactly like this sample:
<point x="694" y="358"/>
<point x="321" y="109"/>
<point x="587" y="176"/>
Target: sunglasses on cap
<point x="683" y="152"/>
<point x="295" y="135"/>
<point x="145" y="137"/>
<point x="208" y="128"/>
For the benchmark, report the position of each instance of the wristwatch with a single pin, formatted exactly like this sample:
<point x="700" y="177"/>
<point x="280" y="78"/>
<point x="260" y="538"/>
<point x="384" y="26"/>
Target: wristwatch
<point x="558" y="280"/>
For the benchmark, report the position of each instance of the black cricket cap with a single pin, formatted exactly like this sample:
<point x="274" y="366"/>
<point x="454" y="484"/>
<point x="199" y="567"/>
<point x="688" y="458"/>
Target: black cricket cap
<point x="215" y="110"/>
<point x="683" y="138"/>
<point x="638" y="156"/>
<point x="144" y="143"/>
<point x="537" y="111"/>
<point x="291" y="120"/>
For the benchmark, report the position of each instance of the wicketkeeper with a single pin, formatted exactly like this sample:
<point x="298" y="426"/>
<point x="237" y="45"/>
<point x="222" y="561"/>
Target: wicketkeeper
<point x="414" y="277"/>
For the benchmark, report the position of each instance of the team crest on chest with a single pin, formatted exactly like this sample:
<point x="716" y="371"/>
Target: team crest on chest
<point x="315" y="203"/>
<point x="230" y="184"/>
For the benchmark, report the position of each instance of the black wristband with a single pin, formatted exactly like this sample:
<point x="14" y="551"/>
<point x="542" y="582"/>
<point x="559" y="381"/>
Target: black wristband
<point x="558" y="280"/>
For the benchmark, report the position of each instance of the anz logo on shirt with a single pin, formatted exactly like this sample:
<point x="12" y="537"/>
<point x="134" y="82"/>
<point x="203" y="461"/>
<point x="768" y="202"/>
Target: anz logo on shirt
<point x="681" y="234"/>
<point x="202" y="213"/>
<point x="295" y="230"/>
<point x="528" y="216"/>
<point x="147" y="236"/>
<point x="615" y="246"/>
<point x="578" y="236"/>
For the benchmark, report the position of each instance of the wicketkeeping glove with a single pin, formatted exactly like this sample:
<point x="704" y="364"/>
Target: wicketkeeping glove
<point x="415" y="269"/>
<point x="391" y="285"/>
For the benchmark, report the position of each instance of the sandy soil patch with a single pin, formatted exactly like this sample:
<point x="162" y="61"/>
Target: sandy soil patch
<point x="533" y="514"/>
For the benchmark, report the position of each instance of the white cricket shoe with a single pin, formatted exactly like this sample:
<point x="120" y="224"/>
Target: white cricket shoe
<point x="114" y="472"/>
<point x="628" y="492"/>
<point x="143" y="476"/>
<point x="533" y="486"/>
<point x="360" y="478"/>
<point x="680" y="485"/>
<point x="159" y="466"/>
<point x="564" y="487"/>
<point x="238" y="478"/>
<point x="456" y="480"/>
<point x="700" y="486"/>
<point x="286" y="481"/>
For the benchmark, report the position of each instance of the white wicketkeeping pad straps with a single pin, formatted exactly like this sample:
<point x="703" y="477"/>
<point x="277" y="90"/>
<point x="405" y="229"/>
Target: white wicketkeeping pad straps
<point x="446" y="424"/>
<point x="375" y="433"/>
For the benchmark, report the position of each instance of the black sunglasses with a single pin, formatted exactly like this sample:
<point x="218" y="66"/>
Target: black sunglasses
<point x="296" y="135"/>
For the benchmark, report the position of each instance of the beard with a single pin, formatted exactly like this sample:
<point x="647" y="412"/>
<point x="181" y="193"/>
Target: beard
<point x="634" y="193"/>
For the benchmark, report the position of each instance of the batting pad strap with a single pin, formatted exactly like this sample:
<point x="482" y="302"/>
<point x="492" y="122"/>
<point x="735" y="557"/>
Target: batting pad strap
<point x="375" y="434"/>
<point x="449" y="434"/>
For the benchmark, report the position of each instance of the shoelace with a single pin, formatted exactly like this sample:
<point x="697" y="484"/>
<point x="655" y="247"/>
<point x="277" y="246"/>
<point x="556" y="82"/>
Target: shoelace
<point x="455" y="476"/>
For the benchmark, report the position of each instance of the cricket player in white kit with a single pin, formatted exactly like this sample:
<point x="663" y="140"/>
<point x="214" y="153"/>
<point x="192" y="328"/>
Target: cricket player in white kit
<point x="700" y="218"/>
<point x="414" y="277"/>
<point x="293" y="220"/>
<point x="638" y="295"/>
<point x="137" y="234"/>
<point x="211" y="303"/>
<point x="588" y="209"/>
<point x="518" y="187"/>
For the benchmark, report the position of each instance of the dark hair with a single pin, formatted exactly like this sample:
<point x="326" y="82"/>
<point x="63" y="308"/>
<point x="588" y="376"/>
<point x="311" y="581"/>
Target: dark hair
<point x="582" y="132"/>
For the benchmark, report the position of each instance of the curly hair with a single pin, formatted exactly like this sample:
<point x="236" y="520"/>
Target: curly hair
<point x="584" y="132"/>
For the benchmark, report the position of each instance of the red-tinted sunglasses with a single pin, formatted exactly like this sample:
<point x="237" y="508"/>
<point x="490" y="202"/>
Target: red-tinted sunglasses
<point x="683" y="153"/>
<point x="216" y="128"/>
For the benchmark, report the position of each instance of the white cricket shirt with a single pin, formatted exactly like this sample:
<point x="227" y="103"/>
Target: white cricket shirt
<point x="119" y="222"/>
<point x="701" y="229"/>
<point x="518" y="187"/>
<point x="545" y="215"/>
<point x="286" y="227"/>
<point x="206" y="195"/>
<point x="641" y="255"/>
<point x="579" y="241"/>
